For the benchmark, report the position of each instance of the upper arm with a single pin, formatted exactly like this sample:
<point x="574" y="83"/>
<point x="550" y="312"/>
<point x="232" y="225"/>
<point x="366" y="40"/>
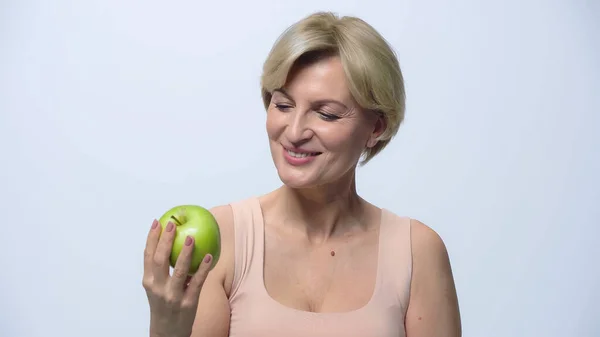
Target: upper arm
<point x="433" y="307"/>
<point x="213" y="314"/>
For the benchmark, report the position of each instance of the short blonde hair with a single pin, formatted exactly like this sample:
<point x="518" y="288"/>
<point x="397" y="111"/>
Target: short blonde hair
<point x="371" y="66"/>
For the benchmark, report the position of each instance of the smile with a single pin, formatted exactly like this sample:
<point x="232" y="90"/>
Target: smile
<point x="298" y="157"/>
<point x="302" y="154"/>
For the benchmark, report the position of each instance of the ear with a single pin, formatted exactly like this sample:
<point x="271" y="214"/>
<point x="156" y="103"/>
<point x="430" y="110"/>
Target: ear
<point x="378" y="129"/>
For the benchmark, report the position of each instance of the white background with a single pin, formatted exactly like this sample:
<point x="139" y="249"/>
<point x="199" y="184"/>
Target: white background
<point x="113" y="111"/>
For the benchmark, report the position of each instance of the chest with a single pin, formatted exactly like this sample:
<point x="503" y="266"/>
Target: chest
<point x="250" y="320"/>
<point x="336" y="277"/>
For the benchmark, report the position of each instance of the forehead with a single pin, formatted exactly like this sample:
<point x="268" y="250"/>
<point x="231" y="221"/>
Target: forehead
<point x="318" y="80"/>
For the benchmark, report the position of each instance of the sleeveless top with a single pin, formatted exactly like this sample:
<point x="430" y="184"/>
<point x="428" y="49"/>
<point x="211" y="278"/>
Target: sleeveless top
<point x="254" y="313"/>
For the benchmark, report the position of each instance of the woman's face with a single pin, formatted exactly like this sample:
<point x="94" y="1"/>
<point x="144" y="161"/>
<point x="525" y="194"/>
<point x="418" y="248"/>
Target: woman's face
<point x="316" y="130"/>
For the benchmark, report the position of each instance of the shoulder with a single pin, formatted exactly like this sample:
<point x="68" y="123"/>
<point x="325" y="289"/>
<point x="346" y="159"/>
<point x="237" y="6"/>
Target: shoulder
<point x="224" y="268"/>
<point x="429" y="254"/>
<point x="433" y="294"/>
<point x="224" y="216"/>
<point x="231" y="217"/>
<point x="427" y="244"/>
<point x="228" y="215"/>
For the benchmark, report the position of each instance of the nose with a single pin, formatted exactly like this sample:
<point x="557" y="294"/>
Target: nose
<point x="299" y="130"/>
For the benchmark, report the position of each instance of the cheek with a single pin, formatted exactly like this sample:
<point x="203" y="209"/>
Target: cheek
<point x="273" y="125"/>
<point x="342" y="139"/>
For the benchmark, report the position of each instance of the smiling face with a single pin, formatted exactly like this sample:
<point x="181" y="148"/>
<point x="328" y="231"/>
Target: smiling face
<point x="316" y="130"/>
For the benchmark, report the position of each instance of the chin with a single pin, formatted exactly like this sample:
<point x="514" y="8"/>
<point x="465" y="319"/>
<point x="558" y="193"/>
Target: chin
<point x="297" y="180"/>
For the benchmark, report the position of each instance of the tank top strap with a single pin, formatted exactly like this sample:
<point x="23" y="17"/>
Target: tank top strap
<point x="396" y="258"/>
<point x="249" y="244"/>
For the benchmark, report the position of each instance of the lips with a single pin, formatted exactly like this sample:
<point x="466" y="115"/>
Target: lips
<point x="297" y="154"/>
<point x="298" y="157"/>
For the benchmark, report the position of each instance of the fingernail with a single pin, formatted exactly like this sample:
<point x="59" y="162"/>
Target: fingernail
<point x="207" y="258"/>
<point x="154" y="224"/>
<point x="170" y="226"/>
<point x="188" y="241"/>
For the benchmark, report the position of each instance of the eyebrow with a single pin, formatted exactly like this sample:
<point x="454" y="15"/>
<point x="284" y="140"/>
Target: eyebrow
<point x="322" y="101"/>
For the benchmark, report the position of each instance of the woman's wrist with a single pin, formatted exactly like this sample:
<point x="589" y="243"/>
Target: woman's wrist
<point x="156" y="331"/>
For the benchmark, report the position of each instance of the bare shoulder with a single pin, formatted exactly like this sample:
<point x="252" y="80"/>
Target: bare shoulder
<point x="223" y="212"/>
<point x="433" y="308"/>
<point x="427" y="243"/>
<point x="213" y="314"/>
<point x="224" y="216"/>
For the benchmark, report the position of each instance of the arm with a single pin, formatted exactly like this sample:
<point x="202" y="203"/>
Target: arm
<point x="212" y="316"/>
<point x="433" y="308"/>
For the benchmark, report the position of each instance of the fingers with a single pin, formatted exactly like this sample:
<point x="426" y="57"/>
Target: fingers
<point x="187" y="282"/>
<point x="150" y="249"/>
<point x="160" y="267"/>
<point x="197" y="281"/>
<point x="182" y="267"/>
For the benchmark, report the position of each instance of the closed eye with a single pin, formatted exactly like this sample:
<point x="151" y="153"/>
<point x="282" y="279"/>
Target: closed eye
<point x="283" y="107"/>
<point x="323" y="115"/>
<point x="327" y="116"/>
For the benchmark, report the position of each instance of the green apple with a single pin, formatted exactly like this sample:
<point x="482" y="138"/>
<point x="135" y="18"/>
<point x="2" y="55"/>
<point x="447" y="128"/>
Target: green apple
<point x="199" y="223"/>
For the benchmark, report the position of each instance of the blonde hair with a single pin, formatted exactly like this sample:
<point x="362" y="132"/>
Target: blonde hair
<point x="370" y="64"/>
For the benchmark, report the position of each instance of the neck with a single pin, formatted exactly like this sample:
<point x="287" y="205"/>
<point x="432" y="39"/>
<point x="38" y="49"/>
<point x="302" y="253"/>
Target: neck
<point x="324" y="211"/>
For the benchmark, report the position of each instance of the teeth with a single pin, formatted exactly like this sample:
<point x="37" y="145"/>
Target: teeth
<point x="299" y="155"/>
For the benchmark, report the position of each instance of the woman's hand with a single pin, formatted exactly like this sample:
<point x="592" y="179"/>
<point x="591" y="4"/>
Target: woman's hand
<point x="173" y="298"/>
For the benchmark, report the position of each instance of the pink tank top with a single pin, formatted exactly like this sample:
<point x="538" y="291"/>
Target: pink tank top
<point x="255" y="314"/>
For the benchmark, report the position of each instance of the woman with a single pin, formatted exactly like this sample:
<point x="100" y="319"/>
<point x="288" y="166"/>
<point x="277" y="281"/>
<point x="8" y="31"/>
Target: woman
<point x="312" y="258"/>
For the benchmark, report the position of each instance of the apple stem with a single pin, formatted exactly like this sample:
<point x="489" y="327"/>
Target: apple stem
<point x="177" y="221"/>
